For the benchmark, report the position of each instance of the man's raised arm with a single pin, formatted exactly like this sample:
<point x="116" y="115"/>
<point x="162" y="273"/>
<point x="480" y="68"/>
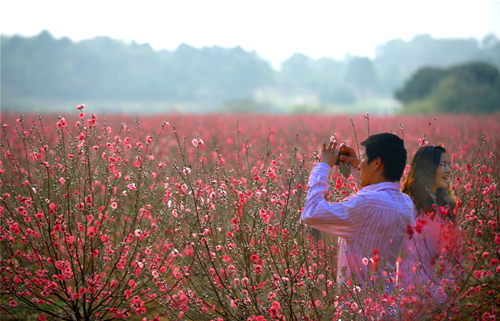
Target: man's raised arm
<point x="341" y="219"/>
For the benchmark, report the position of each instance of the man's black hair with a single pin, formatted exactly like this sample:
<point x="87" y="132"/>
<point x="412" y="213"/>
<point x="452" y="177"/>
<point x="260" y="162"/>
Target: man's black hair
<point x="391" y="150"/>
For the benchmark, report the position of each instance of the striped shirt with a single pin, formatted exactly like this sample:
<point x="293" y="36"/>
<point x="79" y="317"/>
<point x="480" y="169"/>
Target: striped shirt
<point x="370" y="223"/>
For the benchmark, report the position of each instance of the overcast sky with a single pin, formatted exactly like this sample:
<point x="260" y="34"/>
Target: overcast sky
<point x="274" y="28"/>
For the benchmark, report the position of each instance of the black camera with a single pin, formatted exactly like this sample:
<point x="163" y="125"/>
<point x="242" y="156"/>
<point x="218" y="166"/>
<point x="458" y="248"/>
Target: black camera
<point x="345" y="169"/>
<point x="337" y="163"/>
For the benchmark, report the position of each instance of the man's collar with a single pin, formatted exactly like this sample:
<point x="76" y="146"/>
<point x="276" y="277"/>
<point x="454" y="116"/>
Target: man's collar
<point x="382" y="186"/>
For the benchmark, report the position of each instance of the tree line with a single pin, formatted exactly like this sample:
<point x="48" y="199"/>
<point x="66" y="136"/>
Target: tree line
<point x="104" y="68"/>
<point x="472" y="87"/>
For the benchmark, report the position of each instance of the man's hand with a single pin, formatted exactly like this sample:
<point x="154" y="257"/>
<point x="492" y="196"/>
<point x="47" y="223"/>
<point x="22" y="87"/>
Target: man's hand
<point x="329" y="154"/>
<point x="347" y="154"/>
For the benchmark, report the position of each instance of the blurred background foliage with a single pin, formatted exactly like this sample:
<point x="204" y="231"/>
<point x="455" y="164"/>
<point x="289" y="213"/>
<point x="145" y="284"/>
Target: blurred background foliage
<point x="472" y="88"/>
<point x="424" y="74"/>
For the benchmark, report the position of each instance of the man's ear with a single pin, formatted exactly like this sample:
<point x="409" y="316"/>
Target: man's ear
<point x="377" y="164"/>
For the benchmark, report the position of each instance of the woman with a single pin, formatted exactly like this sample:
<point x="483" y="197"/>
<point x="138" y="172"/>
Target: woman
<point x="430" y="252"/>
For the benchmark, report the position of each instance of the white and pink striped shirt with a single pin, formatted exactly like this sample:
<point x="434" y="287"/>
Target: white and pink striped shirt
<point x="375" y="218"/>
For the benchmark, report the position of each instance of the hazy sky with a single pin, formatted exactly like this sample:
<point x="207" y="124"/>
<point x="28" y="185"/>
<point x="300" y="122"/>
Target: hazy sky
<point x="274" y="28"/>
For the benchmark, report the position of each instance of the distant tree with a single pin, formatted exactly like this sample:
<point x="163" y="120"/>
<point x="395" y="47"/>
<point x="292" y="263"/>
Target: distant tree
<point x="329" y="71"/>
<point x="490" y="41"/>
<point x="297" y="72"/>
<point x="490" y="52"/>
<point x="103" y="68"/>
<point x="492" y="100"/>
<point x="302" y="74"/>
<point x="474" y="73"/>
<point x="423" y="50"/>
<point x="408" y="56"/>
<point x="109" y="69"/>
<point x="338" y="95"/>
<point x="469" y="88"/>
<point x="361" y="73"/>
<point x="472" y="88"/>
<point x="390" y="77"/>
<point x="420" y="84"/>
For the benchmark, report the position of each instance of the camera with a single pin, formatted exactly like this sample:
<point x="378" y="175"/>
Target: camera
<point x="346" y="168"/>
<point x="337" y="163"/>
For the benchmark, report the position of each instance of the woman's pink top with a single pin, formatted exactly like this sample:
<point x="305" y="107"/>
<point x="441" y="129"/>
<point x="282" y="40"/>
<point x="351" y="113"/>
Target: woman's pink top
<point x="428" y="256"/>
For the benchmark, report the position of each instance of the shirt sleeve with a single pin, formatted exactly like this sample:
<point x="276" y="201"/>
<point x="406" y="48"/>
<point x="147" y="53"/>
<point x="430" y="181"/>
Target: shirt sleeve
<point x="343" y="218"/>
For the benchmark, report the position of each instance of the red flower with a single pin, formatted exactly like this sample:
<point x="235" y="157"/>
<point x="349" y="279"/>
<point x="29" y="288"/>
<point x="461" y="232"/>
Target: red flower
<point x="409" y="231"/>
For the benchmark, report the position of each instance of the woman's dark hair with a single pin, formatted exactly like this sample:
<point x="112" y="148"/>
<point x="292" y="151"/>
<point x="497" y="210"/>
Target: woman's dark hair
<point x="392" y="152"/>
<point x="421" y="178"/>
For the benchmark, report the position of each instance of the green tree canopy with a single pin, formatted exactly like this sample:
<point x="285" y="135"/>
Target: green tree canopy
<point x="420" y="85"/>
<point x="472" y="88"/>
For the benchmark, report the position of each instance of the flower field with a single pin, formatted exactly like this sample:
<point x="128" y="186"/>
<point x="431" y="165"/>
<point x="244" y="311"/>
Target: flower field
<point x="197" y="217"/>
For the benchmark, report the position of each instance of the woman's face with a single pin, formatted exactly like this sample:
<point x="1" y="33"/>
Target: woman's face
<point x="443" y="178"/>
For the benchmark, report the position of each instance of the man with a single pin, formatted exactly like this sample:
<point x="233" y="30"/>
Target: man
<point x="372" y="224"/>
